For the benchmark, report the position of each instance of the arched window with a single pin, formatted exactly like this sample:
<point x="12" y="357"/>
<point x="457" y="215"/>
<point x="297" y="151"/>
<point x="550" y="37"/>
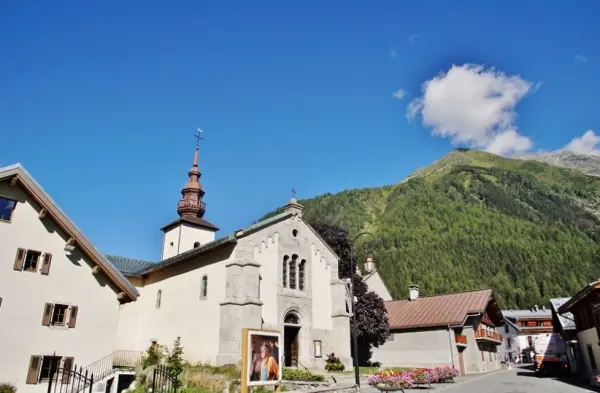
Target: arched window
<point x="301" y="268"/>
<point x="293" y="272"/>
<point x="284" y="273"/>
<point x="291" y="318"/>
<point x="204" y="287"/>
<point x="196" y="244"/>
<point x="158" y="298"/>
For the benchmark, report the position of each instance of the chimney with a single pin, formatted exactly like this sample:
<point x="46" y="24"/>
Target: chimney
<point x="413" y="292"/>
<point x="369" y="265"/>
<point x="535" y="308"/>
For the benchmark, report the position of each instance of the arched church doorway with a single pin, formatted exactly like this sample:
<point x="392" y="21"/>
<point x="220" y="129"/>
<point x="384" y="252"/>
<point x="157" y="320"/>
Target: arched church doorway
<point x="291" y="330"/>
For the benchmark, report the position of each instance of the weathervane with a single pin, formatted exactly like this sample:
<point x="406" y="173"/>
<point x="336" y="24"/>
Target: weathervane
<point x="198" y="136"/>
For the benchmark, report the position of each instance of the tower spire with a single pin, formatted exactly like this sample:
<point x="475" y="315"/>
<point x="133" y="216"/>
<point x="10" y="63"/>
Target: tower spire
<point x="191" y="204"/>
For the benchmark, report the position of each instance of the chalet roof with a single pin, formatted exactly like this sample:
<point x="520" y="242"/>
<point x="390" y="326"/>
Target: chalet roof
<point x="41" y="197"/>
<point x="566" y="320"/>
<point x="528" y="314"/>
<point x="441" y="310"/>
<point x="585" y="292"/>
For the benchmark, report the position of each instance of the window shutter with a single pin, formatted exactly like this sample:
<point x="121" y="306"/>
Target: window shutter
<point x="19" y="259"/>
<point x="34" y="370"/>
<point x="47" y="262"/>
<point x="67" y="370"/>
<point x="47" y="314"/>
<point x="73" y="317"/>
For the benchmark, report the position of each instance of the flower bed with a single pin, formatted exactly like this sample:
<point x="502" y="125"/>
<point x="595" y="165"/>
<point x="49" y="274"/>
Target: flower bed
<point x="390" y="379"/>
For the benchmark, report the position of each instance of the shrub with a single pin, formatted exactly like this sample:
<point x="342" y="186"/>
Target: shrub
<point x="7" y="387"/>
<point x="175" y="360"/>
<point x="292" y="374"/>
<point x="153" y="356"/>
<point x="333" y="363"/>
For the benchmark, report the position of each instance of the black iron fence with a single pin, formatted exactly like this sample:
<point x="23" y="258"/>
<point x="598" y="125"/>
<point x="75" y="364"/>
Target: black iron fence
<point x="67" y="380"/>
<point x="163" y="381"/>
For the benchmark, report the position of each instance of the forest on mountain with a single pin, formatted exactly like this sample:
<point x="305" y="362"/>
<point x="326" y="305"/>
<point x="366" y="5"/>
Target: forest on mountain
<point x="475" y="220"/>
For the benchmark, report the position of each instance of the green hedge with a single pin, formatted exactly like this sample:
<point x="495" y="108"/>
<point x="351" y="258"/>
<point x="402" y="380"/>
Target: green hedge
<point x="292" y="374"/>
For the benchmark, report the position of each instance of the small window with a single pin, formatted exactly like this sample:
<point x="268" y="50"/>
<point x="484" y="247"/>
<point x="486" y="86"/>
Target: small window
<point x="293" y="272"/>
<point x="505" y="327"/>
<point x="7" y="206"/>
<point x="295" y="232"/>
<point x="49" y="363"/>
<point x="292" y="318"/>
<point x="204" y="288"/>
<point x="196" y="244"/>
<point x="59" y="315"/>
<point x="285" y="273"/>
<point x="31" y="260"/>
<point x="301" y="275"/>
<point x="158" y="298"/>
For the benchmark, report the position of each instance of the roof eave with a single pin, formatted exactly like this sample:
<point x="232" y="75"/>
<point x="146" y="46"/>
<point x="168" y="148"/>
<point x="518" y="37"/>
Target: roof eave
<point x="37" y="193"/>
<point x="569" y="304"/>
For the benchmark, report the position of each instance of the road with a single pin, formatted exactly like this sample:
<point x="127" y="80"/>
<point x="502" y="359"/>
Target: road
<point x="516" y="380"/>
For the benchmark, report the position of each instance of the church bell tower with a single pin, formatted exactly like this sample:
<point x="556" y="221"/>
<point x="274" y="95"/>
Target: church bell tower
<point x="190" y="230"/>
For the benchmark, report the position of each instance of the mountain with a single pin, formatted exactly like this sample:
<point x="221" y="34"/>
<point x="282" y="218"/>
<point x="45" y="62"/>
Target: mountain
<point x="566" y="158"/>
<point x="471" y="220"/>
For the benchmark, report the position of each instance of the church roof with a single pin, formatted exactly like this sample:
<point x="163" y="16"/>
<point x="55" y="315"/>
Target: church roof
<point x="196" y="221"/>
<point x="18" y="174"/>
<point x="129" y="265"/>
<point x="137" y="267"/>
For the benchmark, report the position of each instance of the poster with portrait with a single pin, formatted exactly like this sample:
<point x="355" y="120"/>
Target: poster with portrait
<point x="262" y="357"/>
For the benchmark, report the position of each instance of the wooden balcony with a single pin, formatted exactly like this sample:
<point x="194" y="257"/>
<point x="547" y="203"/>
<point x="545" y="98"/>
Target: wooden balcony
<point x="487" y="335"/>
<point x="461" y="340"/>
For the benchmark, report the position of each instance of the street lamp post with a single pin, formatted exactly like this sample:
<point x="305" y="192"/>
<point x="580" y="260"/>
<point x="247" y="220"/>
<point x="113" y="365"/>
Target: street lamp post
<point x="364" y="247"/>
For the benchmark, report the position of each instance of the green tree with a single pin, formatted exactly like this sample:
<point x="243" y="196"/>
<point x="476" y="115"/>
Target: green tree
<point x="371" y="316"/>
<point x="175" y="362"/>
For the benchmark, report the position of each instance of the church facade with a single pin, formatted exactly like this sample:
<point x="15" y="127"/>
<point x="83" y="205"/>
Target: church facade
<point x="277" y="274"/>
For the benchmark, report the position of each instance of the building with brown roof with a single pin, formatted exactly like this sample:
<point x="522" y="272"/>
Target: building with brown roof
<point x="456" y="330"/>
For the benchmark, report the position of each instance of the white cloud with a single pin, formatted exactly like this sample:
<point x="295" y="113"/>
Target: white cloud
<point x="581" y="59"/>
<point x="413" y="38"/>
<point x="474" y="106"/>
<point x="587" y="144"/>
<point x="399" y="94"/>
<point x="393" y="53"/>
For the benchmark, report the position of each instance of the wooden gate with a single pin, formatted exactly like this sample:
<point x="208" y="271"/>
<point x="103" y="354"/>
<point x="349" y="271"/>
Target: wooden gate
<point x="67" y="380"/>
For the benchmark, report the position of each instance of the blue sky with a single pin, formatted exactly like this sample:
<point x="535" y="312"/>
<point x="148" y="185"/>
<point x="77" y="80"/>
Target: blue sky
<point x="100" y="100"/>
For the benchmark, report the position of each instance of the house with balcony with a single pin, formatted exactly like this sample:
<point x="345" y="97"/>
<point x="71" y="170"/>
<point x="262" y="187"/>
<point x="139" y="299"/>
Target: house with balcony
<point x="457" y="329"/>
<point x="520" y="329"/>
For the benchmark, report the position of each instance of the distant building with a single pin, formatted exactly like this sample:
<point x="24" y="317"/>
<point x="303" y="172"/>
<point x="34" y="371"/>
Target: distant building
<point x="455" y="330"/>
<point x="585" y="309"/>
<point x="520" y="329"/>
<point x="374" y="280"/>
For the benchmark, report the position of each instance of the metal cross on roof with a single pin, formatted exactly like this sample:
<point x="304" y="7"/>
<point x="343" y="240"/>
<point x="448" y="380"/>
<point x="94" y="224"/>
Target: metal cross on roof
<point x="198" y="136"/>
<point x="293" y="193"/>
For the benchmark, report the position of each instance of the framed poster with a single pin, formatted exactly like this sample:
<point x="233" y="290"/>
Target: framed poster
<point x="261" y="358"/>
<point x="318" y="353"/>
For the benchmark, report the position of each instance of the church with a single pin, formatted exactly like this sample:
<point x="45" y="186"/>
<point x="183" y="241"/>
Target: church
<point x="83" y="306"/>
<point x="276" y="274"/>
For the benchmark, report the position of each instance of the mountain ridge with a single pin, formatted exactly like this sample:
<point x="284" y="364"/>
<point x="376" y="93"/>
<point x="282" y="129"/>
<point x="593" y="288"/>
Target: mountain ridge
<point x="472" y="219"/>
